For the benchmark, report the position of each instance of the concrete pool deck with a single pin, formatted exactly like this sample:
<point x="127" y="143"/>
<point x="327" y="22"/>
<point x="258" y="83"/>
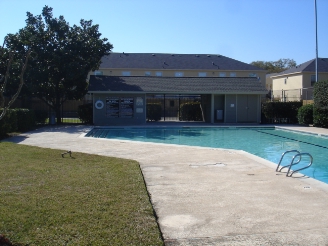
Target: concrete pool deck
<point x="207" y="196"/>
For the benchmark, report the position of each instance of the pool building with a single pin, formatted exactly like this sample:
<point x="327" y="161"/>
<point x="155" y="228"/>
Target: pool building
<point x="221" y="89"/>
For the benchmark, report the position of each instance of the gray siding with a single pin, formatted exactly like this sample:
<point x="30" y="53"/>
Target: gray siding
<point x="230" y="109"/>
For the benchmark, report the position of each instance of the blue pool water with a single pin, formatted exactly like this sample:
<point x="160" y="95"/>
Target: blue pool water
<point x="268" y="143"/>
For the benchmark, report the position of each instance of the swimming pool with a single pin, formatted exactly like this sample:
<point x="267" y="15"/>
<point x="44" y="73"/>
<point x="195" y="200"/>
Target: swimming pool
<point x="268" y="143"/>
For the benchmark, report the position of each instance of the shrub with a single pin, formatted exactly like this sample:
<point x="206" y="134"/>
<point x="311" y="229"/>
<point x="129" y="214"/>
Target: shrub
<point x="25" y="119"/>
<point x="8" y="123"/>
<point x="191" y="111"/>
<point x="276" y="110"/>
<point x="320" y="106"/>
<point x="305" y="114"/>
<point x="154" y="111"/>
<point x="85" y="113"/>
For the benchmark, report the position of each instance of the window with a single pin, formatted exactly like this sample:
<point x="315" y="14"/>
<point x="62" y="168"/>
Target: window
<point x="285" y="81"/>
<point x="126" y="73"/>
<point x="147" y="73"/>
<point x="202" y="74"/>
<point x="313" y="79"/>
<point x="233" y="74"/>
<point x="97" y="73"/>
<point x="252" y="75"/>
<point x="178" y="74"/>
<point x="159" y="74"/>
<point x="222" y="74"/>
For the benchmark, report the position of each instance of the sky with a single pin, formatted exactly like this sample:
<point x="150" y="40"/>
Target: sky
<point x="245" y="30"/>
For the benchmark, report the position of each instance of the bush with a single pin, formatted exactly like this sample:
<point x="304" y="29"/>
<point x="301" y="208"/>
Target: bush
<point x="305" y="114"/>
<point x="278" y="110"/>
<point x="320" y="106"/>
<point x="85" y="113"/>
<point x="25" y="119"/>
<point x="8" y="123"/>
<point x="154" y="111"/>
<point x="191" y="111"/>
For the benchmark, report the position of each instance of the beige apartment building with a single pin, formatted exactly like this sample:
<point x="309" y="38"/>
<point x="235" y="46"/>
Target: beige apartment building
<point x="229" y="91"/>
<point x="296" y="83"/>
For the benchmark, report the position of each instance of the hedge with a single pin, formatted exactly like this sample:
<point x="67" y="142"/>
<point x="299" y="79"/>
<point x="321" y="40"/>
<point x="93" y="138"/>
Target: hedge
<point x="305" y="114"/>
<point x="25" y="119"/>
<point x="191" y="111"/>
<point x="8" y="123"/>
<point x="320" y="106"/>
<point x="85" y="113"/>
<point x="17" y="120"/>
<point x="278" y="110"/>
<point x="154" y="111"/>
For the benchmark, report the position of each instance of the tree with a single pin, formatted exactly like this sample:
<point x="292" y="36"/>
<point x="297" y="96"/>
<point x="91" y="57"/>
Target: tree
<point x="320" y="106"/>
<point x="62" y="56"/>
<point x="12" y="70"/>
<point x="275" y="66"/>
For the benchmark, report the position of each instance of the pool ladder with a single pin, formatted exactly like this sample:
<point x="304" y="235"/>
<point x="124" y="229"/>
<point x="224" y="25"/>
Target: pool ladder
<point x="298" y="158"/>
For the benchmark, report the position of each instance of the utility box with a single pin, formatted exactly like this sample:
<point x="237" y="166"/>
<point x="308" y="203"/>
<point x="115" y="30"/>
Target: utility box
<point x="219" y="114"/>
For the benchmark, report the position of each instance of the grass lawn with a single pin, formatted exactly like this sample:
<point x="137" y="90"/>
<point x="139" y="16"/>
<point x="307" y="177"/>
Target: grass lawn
<point x="80" y="200"/>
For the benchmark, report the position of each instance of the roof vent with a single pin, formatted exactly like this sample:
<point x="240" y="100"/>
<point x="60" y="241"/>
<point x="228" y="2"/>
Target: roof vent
<point x="172" y="54"/>
<point x="197" y="55"/>
<point x="153" y="54"/>
<point x="208" y="56"/>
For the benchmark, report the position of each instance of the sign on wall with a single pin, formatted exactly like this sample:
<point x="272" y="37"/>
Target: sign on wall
<point x="126" y="109"/>
<point x="112" y="107"/>
<point x="117" y="107"/>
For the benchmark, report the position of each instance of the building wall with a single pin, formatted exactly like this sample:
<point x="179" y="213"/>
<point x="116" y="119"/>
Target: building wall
<point x="124" y="104"/>
<point x="292" y="90"/>
<point x="287" y="88"/>
<point x="185" y="73"/>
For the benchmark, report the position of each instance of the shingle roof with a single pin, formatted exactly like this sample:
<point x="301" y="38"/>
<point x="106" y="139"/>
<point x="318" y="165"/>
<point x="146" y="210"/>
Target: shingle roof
<point x="199" y="85"/>
<point x="173" y="61"/>
<point x="308" y="66"/>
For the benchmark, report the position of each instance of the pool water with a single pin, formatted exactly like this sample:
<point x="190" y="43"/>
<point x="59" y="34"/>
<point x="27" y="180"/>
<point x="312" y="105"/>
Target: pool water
<point x="268" y="143"/>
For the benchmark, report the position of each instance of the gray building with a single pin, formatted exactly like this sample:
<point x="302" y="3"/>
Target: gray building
<point x="220" y="89"/>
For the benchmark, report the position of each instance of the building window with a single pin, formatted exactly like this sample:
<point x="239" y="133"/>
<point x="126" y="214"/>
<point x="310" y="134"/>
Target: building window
<point x="178" y="74"/>
<point x="252" y="75"/>
<point x="222" y="74"/>
<point x="313" y="79"/>
<point x="126" y="73"/>
<point x="233" y="74"/>
<point x="202" y="74"/>
<point x="97" y="73"/>
<point x="159" y="74"/>
<point x="285" y="81"/>
<point x="147" y="73"/>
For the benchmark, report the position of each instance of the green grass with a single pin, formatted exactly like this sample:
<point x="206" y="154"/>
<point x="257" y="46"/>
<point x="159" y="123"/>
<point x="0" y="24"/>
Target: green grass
<point x="80" y="200"/>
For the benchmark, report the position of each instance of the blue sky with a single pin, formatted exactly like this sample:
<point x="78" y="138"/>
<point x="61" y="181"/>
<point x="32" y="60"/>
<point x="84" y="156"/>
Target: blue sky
<point x="245" y="30"/>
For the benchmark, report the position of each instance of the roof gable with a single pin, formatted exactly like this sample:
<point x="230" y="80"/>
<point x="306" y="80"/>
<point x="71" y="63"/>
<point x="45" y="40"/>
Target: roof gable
<point x="308" y="66"/>
<point x="199" y="85"/>
<point x="173" y="61"/>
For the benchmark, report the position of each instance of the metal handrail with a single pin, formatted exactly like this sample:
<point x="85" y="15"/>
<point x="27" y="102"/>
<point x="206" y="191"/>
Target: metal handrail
<point x="282" y="156"/>
<point x="292" y="163"/>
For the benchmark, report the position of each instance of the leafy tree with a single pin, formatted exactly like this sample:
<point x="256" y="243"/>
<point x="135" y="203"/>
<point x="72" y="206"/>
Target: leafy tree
<point x="275" y="66"/>
<point x="12" y="69"/>
<point x="62" y="56"/>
